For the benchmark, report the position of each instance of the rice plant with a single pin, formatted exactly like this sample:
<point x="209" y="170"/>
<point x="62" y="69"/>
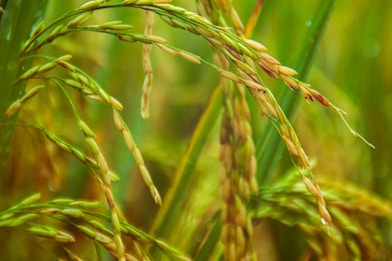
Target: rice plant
<point x="146" y="130"/>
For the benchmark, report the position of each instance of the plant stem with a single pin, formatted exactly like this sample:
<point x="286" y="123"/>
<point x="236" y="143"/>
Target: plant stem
<point x="175" y="198"/>
<point x="18" y="19"/>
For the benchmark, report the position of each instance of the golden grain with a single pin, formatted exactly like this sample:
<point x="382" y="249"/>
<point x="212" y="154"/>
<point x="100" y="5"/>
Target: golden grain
<point x="254" y="85"/>
<point x="155" y="193"/>
<point x="37" y="29"/>
<point x="46" y="67"/>
<point x="128" y="140"/>
<point x="104" y="168"/>
<point x="102" y="238"/>
<point x="245" y="50"/>
<point x="79" y="155"/>
<point x="147" y="85"/>
<point x="268" y="68"/>
<point x="269" y="59"/>
<point x="64" y="237"/>
<point x="86" y="230"/>
<point x="326" y="216"/>
<point x="72" y="212"/>
<point x="112" y="176"/>
<point x="240" y="241"/>
<point x="92" y="145"/>
<point x="236" y="127"/>
<point x="304" y="158"/>
<point x="73" y="83"/>
<point x="243" y="188"/>
<point x="14" y="107"/>
<point x="287" y="71"/>
<point x="49" y="211"/>
<point x="29" y="200"/>
<point x="290" y="82"/>
<point x="232" y="255"/>
<point x="20" y="220"/>
<point x="229" y="75"/>
<point x="241" y="216"/>
<point x="176" y="23"/>
<point x="200" y="19"/>
<point x="236" y="21"/>
<point x="256" y="45"/>
<point x="269" y="109"/>
<point x="190" y="57"/>
<point x="109" y="25"/>
<point x="310" y="186"/>
<point x="252" y="166"/>
<point x="29" y="73"/>
<point x="224" y="236"/>
<point x="65" y="57"/>
<point x="156" y="39"/>
<point x="85" y="129"/>
<point x="127" y="38"/>
<point x="208" y="34"/>
<point x="96" y="224"/>
<point x="89" y="5"/>
<point x="290" y="145"/>
<point x="43" y="231"/>
<point x="116" y="104"/>
<point x="253" y="185"/>
<point x="245" y="68"/>
<point x="115" y="220"/>
<point x="58" y="30"/>
<point x="81" y="78"/>
<point x="225" y="156"/>
<point x="79" y="19"/>
<point x="102" y="93"/>
<point x="320" y="98"/>
<point x="66" y="66"/>
<point x="121" y="27"/>
<point x="117" y="121"/>
<point x="245" y="111"/>
<point x="226" y="190"/>
<point x="166" y="49"/>
<point x="62" y="201"/>
<point x="249" y="228"/>
<point x="145" y="175"/>
<point x="85" y="204"/>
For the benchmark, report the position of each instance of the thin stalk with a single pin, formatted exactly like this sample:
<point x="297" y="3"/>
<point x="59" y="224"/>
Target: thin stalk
<point x="18" y="19"/>
<point x="269" y="145"/>
<point x="254" y="17"/>
<point x="210" y="244"/>
<point x="174" y="201"/>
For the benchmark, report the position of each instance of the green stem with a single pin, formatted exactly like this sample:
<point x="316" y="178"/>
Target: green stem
<point x="174" y="201"/>
<point x="209" y="246"/>
<point x="18" y="19"/>
<point x="270" y="146"/>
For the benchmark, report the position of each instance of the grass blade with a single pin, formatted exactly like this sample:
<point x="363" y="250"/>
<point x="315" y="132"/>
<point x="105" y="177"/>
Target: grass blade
<point x="16" y="23"/>
<point x="182" y="181"/>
